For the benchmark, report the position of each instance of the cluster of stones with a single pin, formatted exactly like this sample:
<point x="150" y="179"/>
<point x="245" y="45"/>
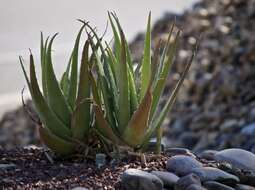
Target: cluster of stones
<point x="230" y="169"/>
<point x="216" y="106"/>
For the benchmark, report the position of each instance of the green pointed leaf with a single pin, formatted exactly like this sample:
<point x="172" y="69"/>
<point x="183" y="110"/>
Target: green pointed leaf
<point x="48" y="118"/>
<point x="65" y="84"/>
<point x="25" y="73"/>
<point x="56" y="99"/>
<point x="128" y="54"/>
<point x="81" y="115"/>
<point x="112" y="61"/>
<point x="165" y="51"/>
<point x="159" y="85"/>
<point x="130" y="68"/>
<point x="117" y="42"/>
<point x="65" y="81"/>
<point x="155" y="63"/>
<point x="108" y="73"/>
<point x="95" y="89"/>
<point x="124" y="101"/>
<point x="146" y="63"/>
<point x="103" y="85"/>
<point x="159" y="120"/>
<point x="133" y="94"/>
<point x="55" y="143"/>
<point x="43" y="53"/>
<point x="103" y="127"/>
<point x="138" y="125"/>
<point x="74" y="70"/>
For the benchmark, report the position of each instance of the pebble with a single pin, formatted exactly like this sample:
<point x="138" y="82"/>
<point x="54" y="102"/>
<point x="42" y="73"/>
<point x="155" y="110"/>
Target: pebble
<point x="212" y="185"/>
<point x="249" y="130"/>
<point x="186" y="181"/>
<point x="215" y="174"/>
<point x="169" y="179"/>
<point x="207" y="154"/>
<point x="182" y="165"/>
<point x="229" y="125"/>
<point x="152" y="146"/>
<point x="7" y="166"/>
<point x="79" y="188"/>
<point x="244" y="187"/>
<point x="179" y="151"/>
<point x="195" y="187"/>
<point x="140" y="180"/>
<point x="239" y="158"/>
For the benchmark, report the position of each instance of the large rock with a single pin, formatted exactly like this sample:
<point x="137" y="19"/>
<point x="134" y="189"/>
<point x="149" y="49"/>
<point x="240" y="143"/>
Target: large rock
<point x="239" y="158"/>
<point x="179" y="151"/>
<point x="169" y="179"/>
<point x="186" y="181"/>
<point x="212" y="185"/>
<point x="140" y="180"/>
<point x="207" y="154"/>
<point x="244" y="187"/>
<point x="7" y="166"/>
<point x="249" y="130"/>
<point x="182" y="165"/>
<point x="79" y="188"/>
<point x="214" y="174"/>
<point x="195" y="187"/>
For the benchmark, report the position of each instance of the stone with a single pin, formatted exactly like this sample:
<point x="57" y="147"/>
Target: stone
<point x="229" y="125"/>
<point x="7" y="166"/>
<point x="140" y="180"/>
<point x="100" y="160"/>
<point x="215" y="174"/>
<point x="79" y="188"/>
<point x="182" y="165"/>
<point x="186" y="181"/>
<point x="195" y="187"/>
<point x="212" y="185"/>
<point x="179" y="151"/>
<point x="169" y="179"/>
<point x="207" y="154"/>
<point x="238" y="158"/>
<point x="249" y="130"/>
<point x="244" y="187"/>
<point x="152" y="146"/>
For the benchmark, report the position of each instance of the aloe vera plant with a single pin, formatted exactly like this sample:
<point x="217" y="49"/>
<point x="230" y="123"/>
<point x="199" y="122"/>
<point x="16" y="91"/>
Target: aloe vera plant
<point x="63" y="105"/>
<point x="126" y="98"/>
<point x="123" y="108"/>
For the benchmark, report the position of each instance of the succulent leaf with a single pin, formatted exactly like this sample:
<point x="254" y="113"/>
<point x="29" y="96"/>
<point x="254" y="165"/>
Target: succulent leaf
<point x="74" y="70"/>
<point x="47" y="116"/>
<point x="157" y="122"/>
<point x="160" y="83"/>
<point x="138" y="124"/>
<point x="146" y="63"/>
<point x="81" y="115"/>
<point x="56" y="99"/>
<point x="124" y="98"/>
<point x="103" y="127"/>
<point x="55" y="143"/>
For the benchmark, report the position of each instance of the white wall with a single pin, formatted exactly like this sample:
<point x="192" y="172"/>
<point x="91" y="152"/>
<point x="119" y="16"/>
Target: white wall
<point x="22" y="20"/>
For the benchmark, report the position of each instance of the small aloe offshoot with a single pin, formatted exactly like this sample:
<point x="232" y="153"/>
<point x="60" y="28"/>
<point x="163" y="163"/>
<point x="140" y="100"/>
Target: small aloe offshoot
<point x="126" y="98"/>
<point x="63" y="105"/>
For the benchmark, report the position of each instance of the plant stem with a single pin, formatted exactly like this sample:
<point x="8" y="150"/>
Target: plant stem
<point x="159" y="137"/>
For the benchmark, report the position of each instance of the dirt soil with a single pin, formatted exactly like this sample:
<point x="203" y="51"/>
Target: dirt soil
<point x="31" y="169"/>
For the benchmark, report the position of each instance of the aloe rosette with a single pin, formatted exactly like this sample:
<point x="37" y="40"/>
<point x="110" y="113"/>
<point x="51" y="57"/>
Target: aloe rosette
<point x="63" y="105"/>
<point x="126" y="98"/>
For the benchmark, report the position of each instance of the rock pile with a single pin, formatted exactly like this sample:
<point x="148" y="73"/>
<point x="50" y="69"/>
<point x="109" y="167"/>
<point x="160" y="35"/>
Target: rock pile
<point x="225" y="171"/>
<point x="216" y="108"/>
<point x="17" y="129"/>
